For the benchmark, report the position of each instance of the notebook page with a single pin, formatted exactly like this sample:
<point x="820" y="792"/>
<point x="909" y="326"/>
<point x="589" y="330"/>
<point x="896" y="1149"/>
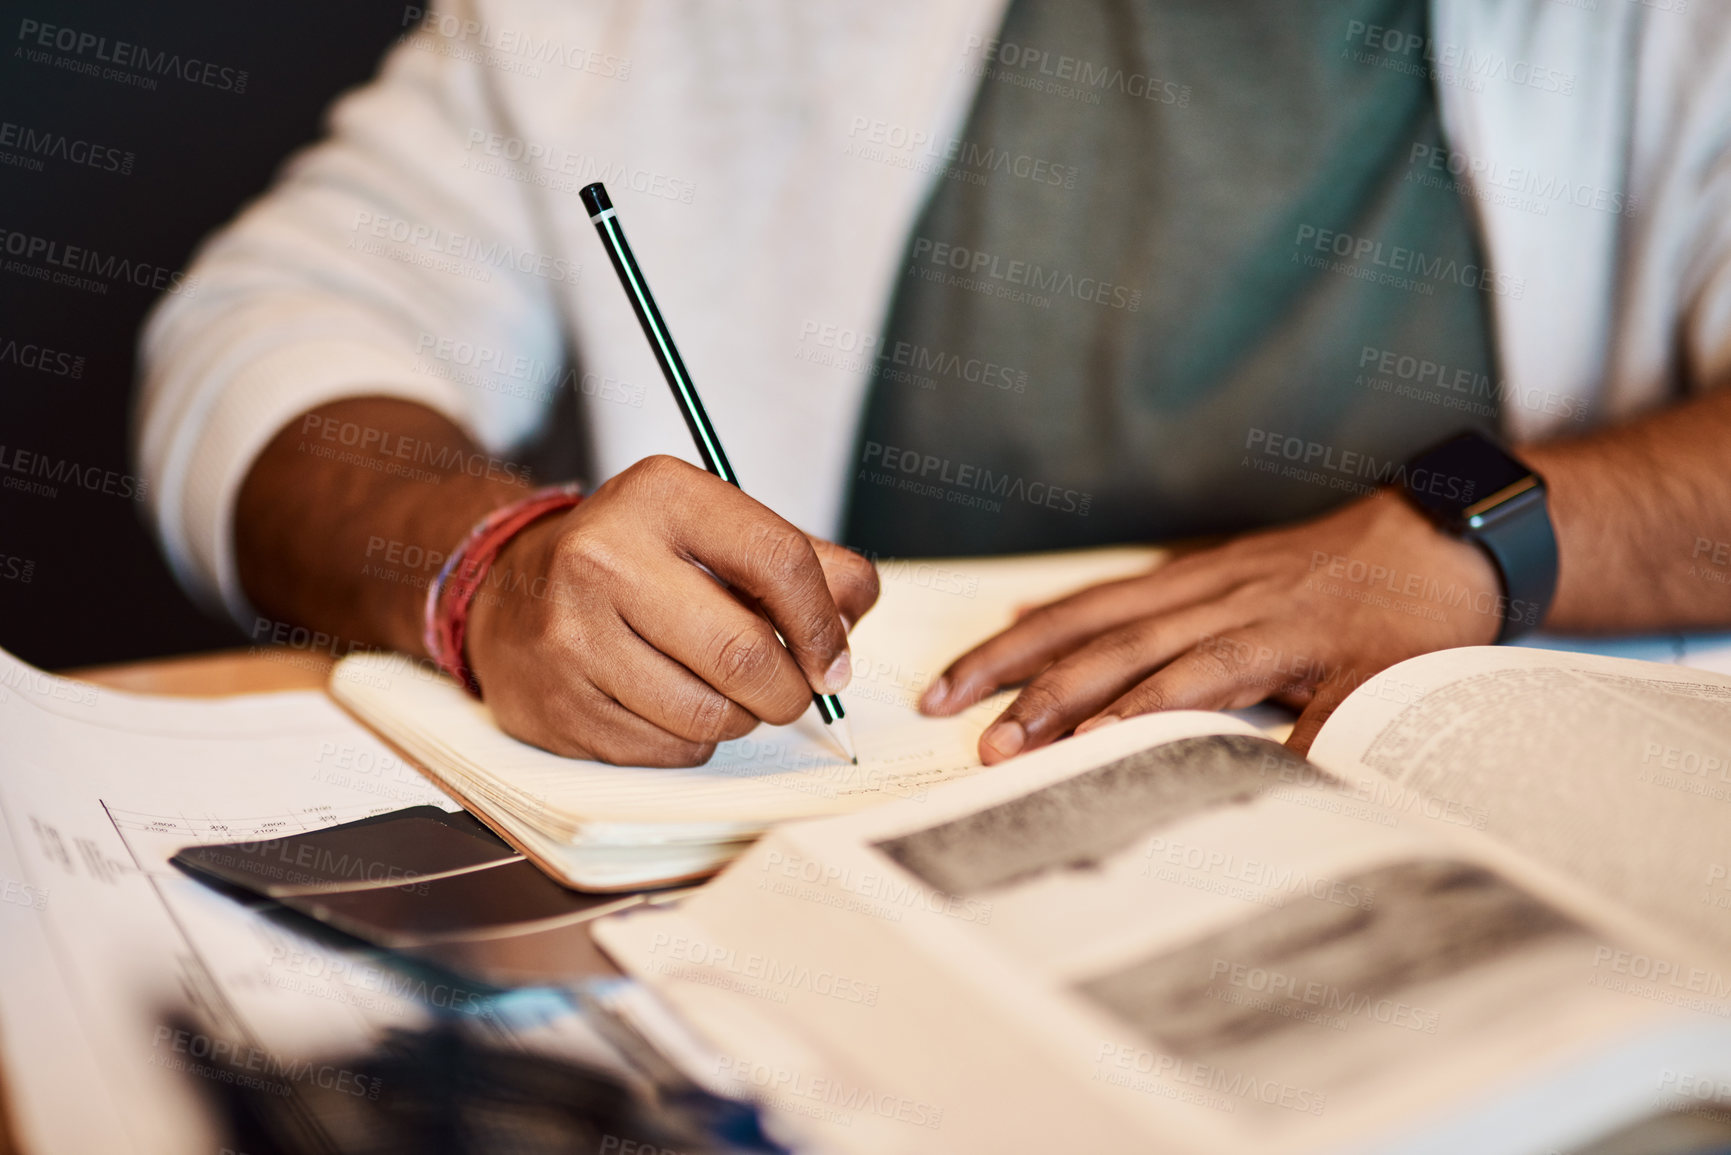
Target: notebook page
<point x="929" y="612"/>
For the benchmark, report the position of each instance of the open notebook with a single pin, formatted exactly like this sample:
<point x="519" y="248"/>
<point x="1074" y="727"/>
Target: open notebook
<point x="601" y="827"/>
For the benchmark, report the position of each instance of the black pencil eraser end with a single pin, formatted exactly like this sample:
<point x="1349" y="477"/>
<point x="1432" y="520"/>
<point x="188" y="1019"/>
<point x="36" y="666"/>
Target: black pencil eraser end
<point x="595" y="198"/>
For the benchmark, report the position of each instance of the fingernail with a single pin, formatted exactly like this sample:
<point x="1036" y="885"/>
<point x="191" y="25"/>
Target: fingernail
<point x="839" y="674"/>
<point x="1006" y="738"/>
<point x="933" y="698"/>
<point x="1097" y="723"/>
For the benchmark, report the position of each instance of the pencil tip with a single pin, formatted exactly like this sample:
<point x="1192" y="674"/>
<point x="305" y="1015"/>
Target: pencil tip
<point x="843" y="735"/>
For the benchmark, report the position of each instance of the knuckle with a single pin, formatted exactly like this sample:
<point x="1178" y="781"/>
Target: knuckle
<point x="1041" y="698"/>
<point x="652" y="478"/>
<point x="1150" y="697"/>
<point x="708" y="716"/>
<point x="1125" y="647"/>
<point x="746" y="658"/>
<point x="1217" y="664"/>
<point x="586" y="555"/>
<point x="657" y="469"/>
<point x="780" y="551"/>
<point x="818" y="627"/>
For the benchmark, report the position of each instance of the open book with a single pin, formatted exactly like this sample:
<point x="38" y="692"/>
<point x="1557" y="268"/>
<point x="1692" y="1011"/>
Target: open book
<point x="1492" y="913"/>
<point x="601" y="827"/>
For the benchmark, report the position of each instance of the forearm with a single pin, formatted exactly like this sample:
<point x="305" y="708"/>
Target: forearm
<point x="341" y="521"/>
<point x="1643" y="517"/>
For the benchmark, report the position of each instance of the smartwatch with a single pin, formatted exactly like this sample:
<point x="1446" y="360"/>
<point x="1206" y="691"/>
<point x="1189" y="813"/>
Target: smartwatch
<point x="1473" y="489"/>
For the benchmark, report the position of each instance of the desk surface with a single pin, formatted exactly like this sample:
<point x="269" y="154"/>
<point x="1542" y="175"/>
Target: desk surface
<point x="258" y="670"/>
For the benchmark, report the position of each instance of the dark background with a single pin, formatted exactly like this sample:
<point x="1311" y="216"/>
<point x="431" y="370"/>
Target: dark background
<point x="81" y="578"/>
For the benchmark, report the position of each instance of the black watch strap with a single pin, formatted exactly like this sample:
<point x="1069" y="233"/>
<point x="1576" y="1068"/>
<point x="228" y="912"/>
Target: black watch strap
<point x="1523" y="546"/>
<point x="1478" y="491"/>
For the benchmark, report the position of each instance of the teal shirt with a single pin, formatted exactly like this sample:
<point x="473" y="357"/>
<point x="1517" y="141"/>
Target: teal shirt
<point x="1184" y="274"/>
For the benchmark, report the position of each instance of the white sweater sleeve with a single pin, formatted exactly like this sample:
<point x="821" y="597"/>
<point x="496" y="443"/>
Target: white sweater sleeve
<point x="1677" y="272"/>
<point x="372" y="246"/>
<point x="1707" y="176"/>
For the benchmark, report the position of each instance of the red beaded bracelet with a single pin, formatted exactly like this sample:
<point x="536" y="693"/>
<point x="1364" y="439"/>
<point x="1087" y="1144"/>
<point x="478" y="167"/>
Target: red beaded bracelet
<point x="452" y="592"/>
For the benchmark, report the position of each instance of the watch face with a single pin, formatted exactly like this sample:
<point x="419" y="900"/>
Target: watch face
<point x="1461" y="472"/>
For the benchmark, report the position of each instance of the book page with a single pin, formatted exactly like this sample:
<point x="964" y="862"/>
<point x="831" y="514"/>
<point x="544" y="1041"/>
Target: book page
<point x="1616" y="773"/>
<point x="1173" y="927"/>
